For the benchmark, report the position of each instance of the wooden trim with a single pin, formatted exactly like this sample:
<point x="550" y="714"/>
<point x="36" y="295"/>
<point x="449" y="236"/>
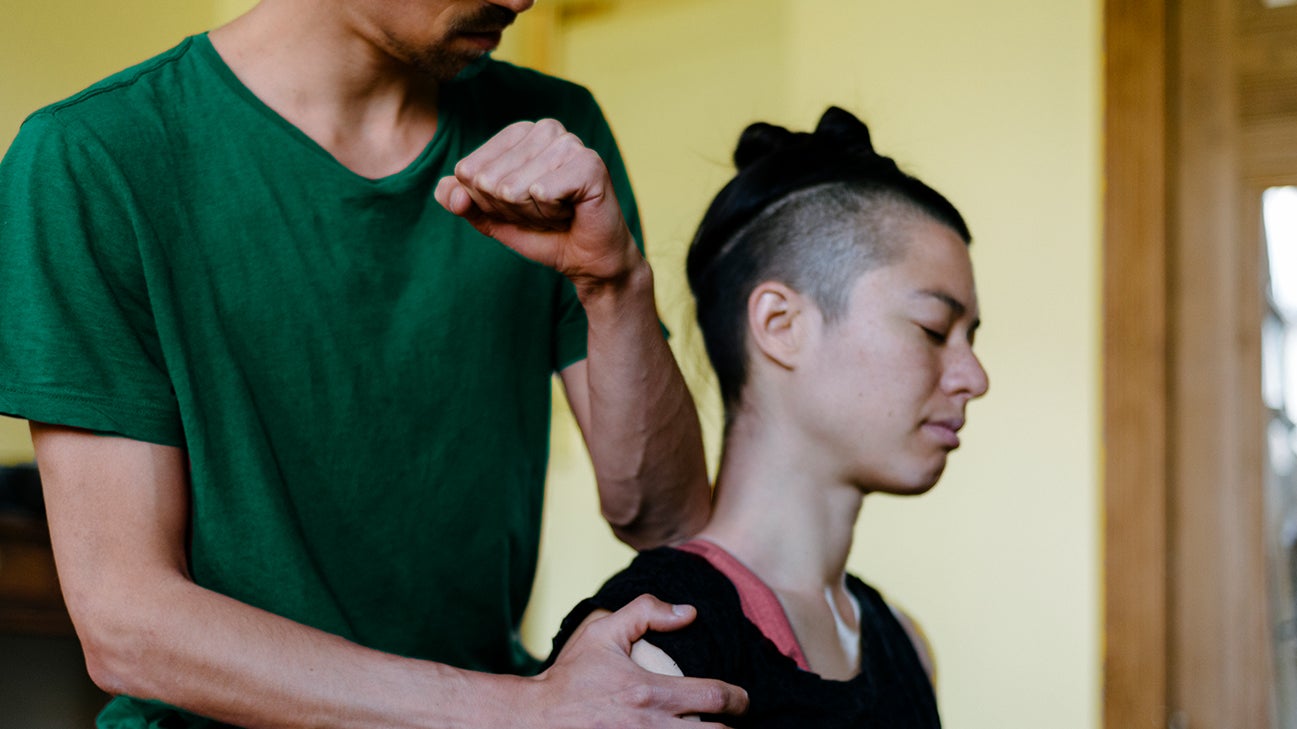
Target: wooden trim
<point x="1189" y="145"/>
<point x="1219" y="676"/>
<point x="1135" y="396"/>
<point x="1205" y="120"/>
<point x="1255" y="681"/>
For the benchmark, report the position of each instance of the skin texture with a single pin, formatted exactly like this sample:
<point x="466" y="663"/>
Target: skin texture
<point x="834" y="411"/>
<point x="119" y="509"/>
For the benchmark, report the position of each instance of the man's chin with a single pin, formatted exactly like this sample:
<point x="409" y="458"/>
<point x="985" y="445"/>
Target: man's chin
<point x="443" y="66"/>
<point x="471" y="67"/>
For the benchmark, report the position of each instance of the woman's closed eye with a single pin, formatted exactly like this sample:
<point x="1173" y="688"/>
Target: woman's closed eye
<point x="935" y="334"/>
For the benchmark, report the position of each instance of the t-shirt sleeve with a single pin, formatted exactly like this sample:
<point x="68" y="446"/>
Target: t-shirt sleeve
<point x="78" y="342"/>
<point x="571" y="328"/>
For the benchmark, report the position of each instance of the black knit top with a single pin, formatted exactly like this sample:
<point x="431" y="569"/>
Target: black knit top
<point x="890" y="692"/>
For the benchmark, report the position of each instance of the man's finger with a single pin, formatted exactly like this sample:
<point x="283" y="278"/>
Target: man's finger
<point x="500" y="167"/>
<point x="700" y="696"/>
<point x="487" y="206"/>
<point x="552" y="216"/>
<point x="492" y="149"/>
<point x="450" y="193"/>
<point x="641" y="615"/>
<point x="564" y="152"/>
<point x="542" y="190"/>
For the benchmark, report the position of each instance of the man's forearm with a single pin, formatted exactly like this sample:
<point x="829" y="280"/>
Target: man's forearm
<point x="538" y="190"/>
<point x="643" y="431"/>
<point x="220" y="658"/>
<point x="118" y="513"/>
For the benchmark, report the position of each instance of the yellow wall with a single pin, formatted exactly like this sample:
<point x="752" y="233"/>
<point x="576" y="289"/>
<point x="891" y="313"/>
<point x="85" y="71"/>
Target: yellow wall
<point x="655" y="101"/>
<point x="54" y="48"/>
<point x="996" y="104"/>
<point x="226" y="10"/>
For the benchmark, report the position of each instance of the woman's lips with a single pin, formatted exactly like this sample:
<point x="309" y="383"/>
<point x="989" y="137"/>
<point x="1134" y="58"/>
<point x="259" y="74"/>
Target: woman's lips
<point x="946" y="432"/>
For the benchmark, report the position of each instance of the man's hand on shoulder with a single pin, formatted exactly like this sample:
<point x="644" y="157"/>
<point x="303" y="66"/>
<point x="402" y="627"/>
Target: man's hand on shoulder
<point x="536" y="188"/>
<point x="594" y="682"/>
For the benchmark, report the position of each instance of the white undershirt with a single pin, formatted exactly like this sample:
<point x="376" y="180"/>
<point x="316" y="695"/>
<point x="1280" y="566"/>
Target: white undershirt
<point x="848" y="635"/>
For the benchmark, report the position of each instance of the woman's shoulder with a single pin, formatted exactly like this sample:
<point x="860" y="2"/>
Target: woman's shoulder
<point x="672" y="573"/>
<point x="675" y="577"/>
<point x="892" y="622"/>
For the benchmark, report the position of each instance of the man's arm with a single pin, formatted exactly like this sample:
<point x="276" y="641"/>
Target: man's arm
<point x="638" y="418"/>
<point x="538" y="190"/>
<point x="118" y="512"/>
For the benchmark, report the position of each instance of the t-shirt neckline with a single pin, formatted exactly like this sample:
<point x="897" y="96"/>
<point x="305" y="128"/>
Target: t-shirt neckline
<point x="445" y="114"/>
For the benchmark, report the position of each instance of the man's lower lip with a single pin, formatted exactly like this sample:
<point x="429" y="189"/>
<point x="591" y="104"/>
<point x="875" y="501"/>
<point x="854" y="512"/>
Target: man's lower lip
<point x="485" y="40"/>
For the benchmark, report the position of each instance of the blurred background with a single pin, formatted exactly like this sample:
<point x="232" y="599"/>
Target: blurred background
<point x="1054" y="567"/>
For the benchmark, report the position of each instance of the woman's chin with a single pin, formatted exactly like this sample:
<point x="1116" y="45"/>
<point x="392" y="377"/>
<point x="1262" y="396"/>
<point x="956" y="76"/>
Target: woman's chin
<point x="919" y="481"/>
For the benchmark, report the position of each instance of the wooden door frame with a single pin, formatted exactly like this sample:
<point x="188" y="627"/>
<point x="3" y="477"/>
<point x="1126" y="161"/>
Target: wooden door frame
<point x="1185" y="637"/>
<point x="1135" y="364"/>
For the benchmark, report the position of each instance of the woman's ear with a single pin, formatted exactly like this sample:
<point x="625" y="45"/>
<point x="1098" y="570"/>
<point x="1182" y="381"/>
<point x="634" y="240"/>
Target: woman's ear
<point x="778" y="322"/>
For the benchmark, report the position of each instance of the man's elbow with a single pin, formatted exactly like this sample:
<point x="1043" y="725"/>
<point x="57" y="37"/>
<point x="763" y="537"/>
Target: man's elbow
<point x="115" y="641"/>
<point x="641" y="527"/>
<point x="104" y="671"/>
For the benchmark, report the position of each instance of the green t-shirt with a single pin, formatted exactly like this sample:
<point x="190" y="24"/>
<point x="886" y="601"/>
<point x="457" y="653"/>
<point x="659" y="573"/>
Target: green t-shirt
<point x="361" y="381"/>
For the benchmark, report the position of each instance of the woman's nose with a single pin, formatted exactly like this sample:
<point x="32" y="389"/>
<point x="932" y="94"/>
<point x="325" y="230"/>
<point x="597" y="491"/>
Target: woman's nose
<point x="965" y="374"/>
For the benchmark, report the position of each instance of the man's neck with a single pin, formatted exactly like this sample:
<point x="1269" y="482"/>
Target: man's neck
<point x="372" y="113"/>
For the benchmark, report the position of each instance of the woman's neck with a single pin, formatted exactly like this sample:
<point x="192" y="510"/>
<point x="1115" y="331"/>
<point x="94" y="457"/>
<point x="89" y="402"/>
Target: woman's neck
<point x="780" y="512"/>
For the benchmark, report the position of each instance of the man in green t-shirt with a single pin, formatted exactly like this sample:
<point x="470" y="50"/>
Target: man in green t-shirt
<point x="290" y="402"/>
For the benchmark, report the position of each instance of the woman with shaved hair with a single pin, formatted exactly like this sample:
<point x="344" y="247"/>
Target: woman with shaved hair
<point x="836" y="299"/>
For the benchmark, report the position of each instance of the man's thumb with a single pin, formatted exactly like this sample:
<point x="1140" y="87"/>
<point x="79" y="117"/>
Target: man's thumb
<point x="646" y="613"/>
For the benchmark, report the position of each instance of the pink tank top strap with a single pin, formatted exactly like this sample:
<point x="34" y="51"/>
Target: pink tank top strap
<point x="759" y="602"/>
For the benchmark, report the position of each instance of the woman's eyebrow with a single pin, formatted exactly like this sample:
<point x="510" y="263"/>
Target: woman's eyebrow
<point x="957" y="306"/>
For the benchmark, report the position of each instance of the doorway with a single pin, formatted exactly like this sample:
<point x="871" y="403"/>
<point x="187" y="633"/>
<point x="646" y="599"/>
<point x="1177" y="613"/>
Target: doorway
<point x="1201" y="123"/>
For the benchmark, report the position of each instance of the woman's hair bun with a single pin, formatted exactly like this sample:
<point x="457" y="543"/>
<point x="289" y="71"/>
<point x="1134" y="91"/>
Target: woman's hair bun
<point x="795" y="211"/>
<point x="760" y="140"/>
<point x="843" y="127"/>
<point x="839" y="132"/>
<point x="773" y="163"/>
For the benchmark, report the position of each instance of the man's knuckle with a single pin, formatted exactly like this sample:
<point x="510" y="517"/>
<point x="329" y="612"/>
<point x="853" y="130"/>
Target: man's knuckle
<point x="550" y="126"/>
<point x="590" y="157"/>
<point x="712" y="699"/>
<point x="466" y="168"/>
<point x="488" y="182"/>
<point x="573" y="143"/>
<point x="511" y="189"/>
<point x="518" y="128"/>
<point x="640" y="696"/>
<point x="642" y="602"/>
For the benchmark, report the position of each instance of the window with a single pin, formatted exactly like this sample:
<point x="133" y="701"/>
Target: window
<point x="1279" y="390"/>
